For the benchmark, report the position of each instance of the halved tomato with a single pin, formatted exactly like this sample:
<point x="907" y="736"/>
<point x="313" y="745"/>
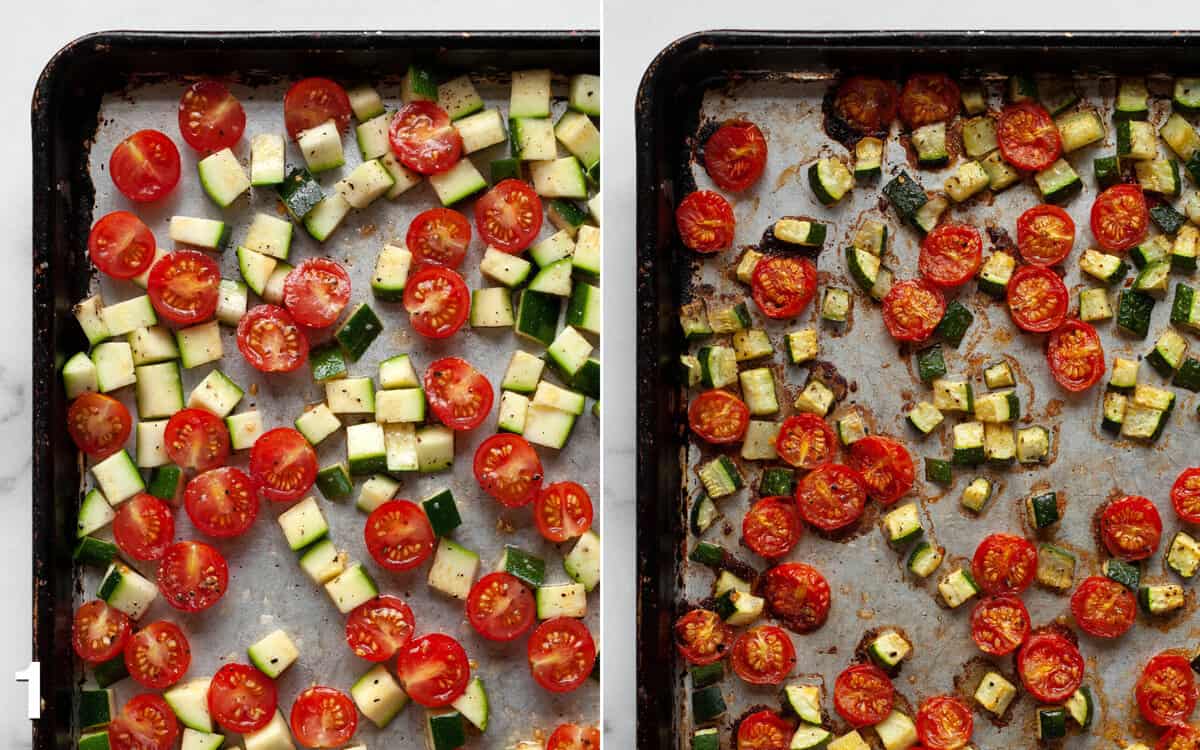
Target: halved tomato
<point x="831" y="496"/>
<point x="782" y="286"/>
<point x="241" y="698"/>
<point x="1004" y="564"/>
<point x="437" y="301"/>
<point x="121" y="245"/>
<point x="763" y="655"/>
<point x="500" y="607"/>
<point x="184" y="287"/>
<point x="735" y="154"/>
<point x="145" y="166"/>
<point x="509" y="216"/>
<point x="944" y="723"/>
<point x="196" y="439"/>
<point x="271" y="340"/>
<point x="805" y="440"/>
<point x="424" y="139"/>
<point x="1050" y="666"/>
<point x="798" y="595"/>
<point x="508" y="468"/>
<point x="912" y="309"/>
<point x="1037" y="299"/>
<point x="563" y="511"/>
<point x="1028" y="137"/>
<point x="210" y="117"/>
<point x="314" y="101"/>
<point x="433" y="670"/>
<point x="459" y="395"/>
<point x="99" y="425"/>
<point x="867" y="105"/>
<point x="1045" y="235"/>
<point x="1185" y="495"/>
<point x="192" y="576"/>
<point x="1131" y="527"/>
<point x="283" y="464"/>
<point x="772" y="526"/>
<point x="1120" y="217"/>
<point x="143" y="527"/>
<point x="221" y="502"/>
<point x="158" y="655"/>
<point x="99" y="632"/>
<point x="573" y="737"/>
<point x="398" y="535"/>
<point x="561" y="654"/>
<point x="863" y="695"/>
<point x="146" y="722"/>
<point x="718" y="417"/>
<point x="705" y="222"/>
<point x="378" y="628"/>
<point x="1075" y="355"/>
<point x="439" y="237"/>
<point x="764" y="730"/>
<point x="1000" y="624"/>
<point x="951" y="254"/>
<point x="316" y="291"/>
<point x="323" y="717"/>
<point x="1103" y="608"/>
<point x="885" y="466"/>
<point x="1166" y="690"/>
<point x="928" y="98"/>
<point x="702" y="637"/>
<point x="1179" y="737"/>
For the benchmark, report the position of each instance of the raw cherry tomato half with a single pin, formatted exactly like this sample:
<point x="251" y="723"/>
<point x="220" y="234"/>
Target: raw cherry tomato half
<point x="196" y="439"/>
<point x="241" y="698"/>
<point x="398" y="535"/>
<point x="772" y="526"/>
<point x="1050" y="666"/>
<point x="1028" y="137"/>
<point x="1075" y="355"/>
<point x="1179" y="737"/>
<point x="184" y="287"/>
<point x="561" y="654"/>
<point x="283" y="464"/>
<point x="99" y="425"/>
<point x="1166" y="690"/>
<point x="433" y="669"/>
<point x="146" y="722"/>
<point x="99" y="632"/>
<point x="459" y="395"/>
<point x="1000" y="624"/>
<point x="718" y="417"/>
<point x="798" y="595"/>
<point x="831" y="496"/>
<point x="863" y="694"/>
<point x="121" y="245"/>
<point x="500" y="607"/>
<point x="437" y="301"/>
<point x="763" y="655"/>
<point x="734" y="155"/>
<point x="192" y="576"/>
<point x="1131" y="528"/>
<point x="508" y="468"/>
<point x="764" y="730"/>
<point x="1103" y="608"/>
<point x="867" y="105"/>
<point x="702" y="637"/>
<point x="271" y="340"/>
<point x="928" y="98"/>
<point x="1045" y="235"/>
<point x="805" y="440"/>
<point x="508" y="217"/>
<point x="316" y="291"/>
<point x="378" y="628"/>
<point x="323" y="717"/>
<point x="574" y="737"/>
<point x="1037" y="299"/>
<point x="782" y="286"/>
<point x="1120" y="217"/>
<point x="210" y="117"/>
<point x="1185" y="495"/>
<point x="563" y="511"/>
<point x="1004" y="564"/>
<point x="221" y="502"/>
<point x="423" y="138"/>
<point x="705" y="222"/>
<point x="912" y="309"/>
<point x="145" y="166"/>
<point x="143" y="527"/>
<point x="885" y="466"/>
<point x="944" y="723"/>
<point x="951" y="254"/>
<point x="158" y="655"/>
<point x="314" y="101"/>
<point x="438" y="237"/>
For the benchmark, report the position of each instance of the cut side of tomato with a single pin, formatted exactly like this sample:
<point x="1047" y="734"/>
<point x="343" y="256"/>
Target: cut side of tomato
<point x="831" y="497"/>
<point x="508" y="468"/>
<point x="783" y="286"/>
<point x="100" y="632"/>
<point x="885" y="466"/>
<point x="763" y="655"/>
<point x="1028" y="137"/>
<point x="764" y="730"/>
<point x="210" y="117"/>
<point x="424" y="139"/>
<point x="772" y="526"/>
<point x="1103" y="608"/>
<point x="439" y="237"/>
<point x="241" y="698"/>
<point x="867" y="105"/>
<point x="798" y="595"/>
<point x="316" y="291"/>
<point x="158" y="655"/>
<point x="951" y="254"/>
<point x="283" y="464"/>
<point x="145" y="166"/>
<point x="196" y="439"/>
<point x="1120" y="217"/>
<point x="398" y="535"/>
<point x="509" y="216"/>
<point x="1131" y="528"/>
<point x="1185" y="495"/>
<point x="323" y="717"/>
<point x="500" y="607"/>
<point x="702" y="637"/>
<point x="1179" y="737"/>
<point x="459" y="395"/>
<point x="705" y="222"/>
<point x="437" y="301"/>
<point x="928" y="98"/>
<point x="192" y="576"/>
<point x="1004" y="564"/>
<point x="184" y="287"/>
<point x="1045" y="235"/>
<point x="735" y="155"/>
<point x="574" y="737"/>
<point x="146" y="722"/>
<point x="1075" y="355"/>
<point x="99" y="425"/>
<point x="377" y="629"/>
<point x="912" y="309"/>
<point x="314" y="101"/>
<point x="121" y="245"/>
<point x="561" y="654"/>
<point x="563" y="511"/>
<point x="433" y="670"/>
<point x="1000" y="624"/>
<point x="1050" y="666"/>
<point x="863" y="695"/>
<point x="1166" y="690"/>
<point x="718" y="417"/>
<point x="944" y="723"/>
<point x="271" y="340"/>
<point x="144" y="527"/>
<point x="805" y="440"/>
<point x="221" y="502"/>
<point x="1037" y="299"/>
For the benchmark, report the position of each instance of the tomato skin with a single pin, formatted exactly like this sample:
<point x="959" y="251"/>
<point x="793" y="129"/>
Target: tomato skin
<point x="271" y="340"/>
<point x="772" y="527"/>
<point x="196" y="439"/>
<point x="183" y="287"/>
<point x="702" y="637"/>
<point x="98" y="424"/>
<point x="1004" y="564"/>
<point x="1000" y="624"/>
<point x="158" y="655"/>
<point x="1117" y="607"/>
<point x="574" y="737"/>
<point x="1166" y="690"/>
<point x="912" y="309"/>
<point x="719" y="417"/>
<point x="508" y="468"/>
<point x="705" y="222"/>
<point x="563" y="511"/>
<point x="143" y="527"/>
<point x="831" y="497"/>
<point x="500" y="607"/>
<point x="735" y="155"/>
<point x="241" y="698"/>
<point x="944" y="723"/>
<point x="316" y="291"/>
<point x="429" y="686"/>
<point x="1028" y="137"/>
<point x="763" y="655"/>
<point x="192" y="576"/>
<point x="885" y="466"/>
<point x="798" y="595"/>
<point x="783" y="286"/>
<point x="1131" y="528"/>
<point x="121" y="245"/>
<point x="313" y="101"/>
<point x="1050" y="666"/>
<point x="323" y="717"/>
<point x="863" y="694"/>
<point x="764" y="730"/>
<point x="145" y="166"/>
<point x="1185" y="495"/>
<point x="438" y="237"/>
<point x="1037" y="299"/>
<point x="1075" y="355"/>
<point x="509" y="216"/>
<point x="928" y="98"/>
<point x="210" y="117"/>
<point x="1120" y="217"/>
<point x="377" y="629"/>
<point x="221" y="502"/>
<point x="1179" y="737"/>
<point x="1045" y="235"/>
<point x="423" y="138"/>
<point x="805" y="440"/>
<point x="99" y="632"/>
<point x="951" y="254"/>
<point x="561" y="654"/>
<point x="146" y="722"/>
<point x="459" y="395"/>
<point x="437" y="301"/>
<point x="867" y="105"/>
<point x="398" y="535"/>
<point x="283" y="464"/>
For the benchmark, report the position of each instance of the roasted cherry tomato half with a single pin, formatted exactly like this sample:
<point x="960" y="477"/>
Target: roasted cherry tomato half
<point x="1131" y="528"/>
<point x="196" y="439"/>
<point x="783" y="286"/>
<point x="928" y="98"/>
<point x="459" y="395"/>
<point x="951" y="254"/>
<point x="867" y="105"/>
<point x="831" y="496"/>
<point x="439" y="237"/>
<point x="241" y="698"/>
<point x="735" y="155"/>
<point x="433" y="670"/>
<point x="100" y="632"/>
<point x="271" y="340"/>
<point x="912" y="309"/>
<point x="1050" y="667"/>
<point x="221" y="502"/>
<point x="1028" y="137"/>
<point x="1045" y="235"/>
<point x="797" y="594"/>
<point x="885" y="466"/>
<point x="1004" y="564"/>
<point x="145" y="166"/>
<point x="705" y="222"/>
<point x="1075" y="355"/>
<point x="323" y="717"/>
<point x="158" y="655"/>
<point x="437" y="301"/>
<point x="563" y="511"/>
<point x="146" y="722"/>
<point x="863" y="695"/>
<point x="1120" y="217"/>
<point x="1185" y="495"/>
<point x="283" y="464"/>
<point x="1103" y="608"/>
<point x="121" y="245"/>
<point x="561" y="654"/>
<point x="1000" y="624"/>
<point x="184" y="287"/>
<point x="702" y="637"/>
<point x="509" y="216"/>
<point x="379" y="627"/>
<point x="192" y="576"/>
<point x="210" y="117"/>
<point x="718" y="417"/>
<point x="574" y="737"/>
<point x="944" y="722"/>
<point x="764" y="730"/>
<point x="1037" y="299"/>
<point x="424" y="139"/>
<point x="99" y="425"/>
<point x="314" y="101"/>
<point x="772" y="526"/>
<point x="316" y="291"/>
<point x="500" y="607"/>
<point x="508" y="468"/>
<point x="805" y="440"/>
<point x="1179" y="737"/>
<point x="763" y="655"/>
<point x="1166" y="690"/>
<point x="143" y="527"/>
<point x="398" y="535"/>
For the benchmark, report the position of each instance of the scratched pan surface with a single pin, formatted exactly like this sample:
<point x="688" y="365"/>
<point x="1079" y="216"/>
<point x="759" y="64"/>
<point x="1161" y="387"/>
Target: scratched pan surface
<point x="872" y="589"/>
<point x="267" y="589"/>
